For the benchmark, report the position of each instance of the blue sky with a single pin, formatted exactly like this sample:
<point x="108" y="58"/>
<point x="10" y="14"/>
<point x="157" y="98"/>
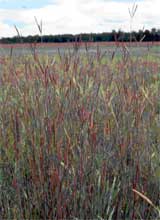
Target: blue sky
<point x="17" y="4"/>
<point x="75" y="16"/>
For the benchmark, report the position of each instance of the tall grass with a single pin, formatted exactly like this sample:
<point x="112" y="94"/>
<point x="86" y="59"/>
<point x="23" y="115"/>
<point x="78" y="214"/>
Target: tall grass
<point x="79" y="137"/>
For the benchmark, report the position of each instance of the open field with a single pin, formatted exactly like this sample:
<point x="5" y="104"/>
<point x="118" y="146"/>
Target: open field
<point x="82" y="44"/>
<point x="79" y="134"/>
<point x="137" y="48"/>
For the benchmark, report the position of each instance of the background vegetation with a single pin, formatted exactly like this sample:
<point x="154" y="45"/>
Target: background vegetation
<point x="145" y="35"/>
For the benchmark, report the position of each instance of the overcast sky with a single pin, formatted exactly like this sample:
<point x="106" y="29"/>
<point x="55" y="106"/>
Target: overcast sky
<point x="75" y="16"/>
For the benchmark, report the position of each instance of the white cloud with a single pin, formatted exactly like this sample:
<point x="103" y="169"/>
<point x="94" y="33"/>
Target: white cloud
<point x="77" y="16"/>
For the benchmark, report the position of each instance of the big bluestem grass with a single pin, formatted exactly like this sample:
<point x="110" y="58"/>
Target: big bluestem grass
<point x="79" y="137"/>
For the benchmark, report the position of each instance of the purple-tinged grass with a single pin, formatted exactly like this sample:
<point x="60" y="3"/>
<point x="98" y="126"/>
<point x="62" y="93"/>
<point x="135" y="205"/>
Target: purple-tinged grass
<point x="79" y="137"/>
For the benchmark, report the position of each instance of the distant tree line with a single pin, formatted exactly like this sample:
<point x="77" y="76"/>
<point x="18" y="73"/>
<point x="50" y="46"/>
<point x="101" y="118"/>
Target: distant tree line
<point x="141" y="35"/>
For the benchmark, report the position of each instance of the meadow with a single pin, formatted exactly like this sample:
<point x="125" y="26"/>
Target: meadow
<point x="79" y="134"/>
<point x="50" y="49"/>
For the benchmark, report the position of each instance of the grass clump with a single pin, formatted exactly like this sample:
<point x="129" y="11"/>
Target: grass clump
<point x="79" y="137"/>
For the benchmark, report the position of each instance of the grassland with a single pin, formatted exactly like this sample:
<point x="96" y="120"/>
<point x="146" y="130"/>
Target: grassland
<point x="79" y="136"/>
<point x="50" y="49"/>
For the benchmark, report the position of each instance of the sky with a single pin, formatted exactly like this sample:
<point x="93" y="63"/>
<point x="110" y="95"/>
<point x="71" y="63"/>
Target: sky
<point x="75" y="16"/>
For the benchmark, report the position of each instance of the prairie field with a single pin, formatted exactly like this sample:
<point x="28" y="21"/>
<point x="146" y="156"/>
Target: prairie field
<point x="137" y="48"/>
<point x="79" y="132"/>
